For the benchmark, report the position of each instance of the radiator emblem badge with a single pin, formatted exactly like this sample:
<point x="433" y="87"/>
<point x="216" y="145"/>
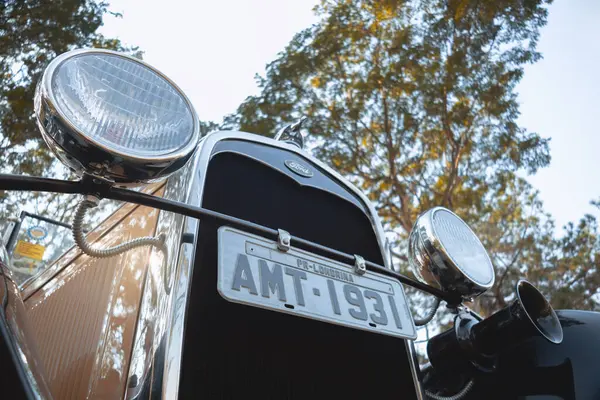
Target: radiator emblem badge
<point x="298" y="168"/>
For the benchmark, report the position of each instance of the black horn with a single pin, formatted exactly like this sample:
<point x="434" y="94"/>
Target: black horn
<point x="470" y="341"/>
<point x="530" y="314"/>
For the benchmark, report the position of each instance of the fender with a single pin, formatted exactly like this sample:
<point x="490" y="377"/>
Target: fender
<point x="538" y="368"/>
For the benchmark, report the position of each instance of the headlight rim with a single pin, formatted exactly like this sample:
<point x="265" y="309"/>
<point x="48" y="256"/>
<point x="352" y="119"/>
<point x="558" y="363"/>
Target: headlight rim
<point x="48" y="99"/>
<point x="432" y="263"/>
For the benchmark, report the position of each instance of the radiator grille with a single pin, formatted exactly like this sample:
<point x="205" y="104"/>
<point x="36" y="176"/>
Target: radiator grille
<point x="233" y="351"/>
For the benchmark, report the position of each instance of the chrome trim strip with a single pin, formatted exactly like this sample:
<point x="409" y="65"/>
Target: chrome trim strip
<point x="155" y="337"/>
<point x="415" y="369"/>
<point x="157" y="359"/>
<point x="174" y="349"/>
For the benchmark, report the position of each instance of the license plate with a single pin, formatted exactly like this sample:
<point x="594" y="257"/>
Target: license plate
<point x="253" y="271"/>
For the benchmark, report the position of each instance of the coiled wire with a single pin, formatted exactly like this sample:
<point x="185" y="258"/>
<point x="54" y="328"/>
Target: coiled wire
<point x="80" y="240"/>
<point x="457" y="396"/>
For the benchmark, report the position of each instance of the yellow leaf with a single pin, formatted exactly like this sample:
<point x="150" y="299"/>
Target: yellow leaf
<point x="383" y="186"/>
<point x="315" y="82"/>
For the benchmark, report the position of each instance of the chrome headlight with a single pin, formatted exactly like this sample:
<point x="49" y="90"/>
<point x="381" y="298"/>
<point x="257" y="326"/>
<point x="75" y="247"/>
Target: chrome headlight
<point x="113" y="116"/>
<point x="445" y="253"/>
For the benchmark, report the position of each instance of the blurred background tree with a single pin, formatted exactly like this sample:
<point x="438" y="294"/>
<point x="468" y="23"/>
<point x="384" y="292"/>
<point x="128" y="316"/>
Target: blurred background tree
<point x="415" y="102"/>
<point x="32" y="33"/>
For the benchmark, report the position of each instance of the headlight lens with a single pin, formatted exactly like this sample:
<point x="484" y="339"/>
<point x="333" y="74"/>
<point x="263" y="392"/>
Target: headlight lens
<point x="122" y="105"/>
<point x="111" y="115"/>
<point x="463" y="247"/>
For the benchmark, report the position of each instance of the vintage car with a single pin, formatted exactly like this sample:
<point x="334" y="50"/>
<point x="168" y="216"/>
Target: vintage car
<point x="239" y="266"/>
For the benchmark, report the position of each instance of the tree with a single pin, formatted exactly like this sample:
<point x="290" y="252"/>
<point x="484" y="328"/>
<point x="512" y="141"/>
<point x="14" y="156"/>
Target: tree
<point x="32" y="33"/>
<point x="570" y="265"/>
<point x="415" y="102"/>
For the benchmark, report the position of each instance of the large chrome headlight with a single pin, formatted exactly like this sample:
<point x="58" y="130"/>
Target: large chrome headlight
<point x="445" y="253"/>
<point x="114" y="117"/>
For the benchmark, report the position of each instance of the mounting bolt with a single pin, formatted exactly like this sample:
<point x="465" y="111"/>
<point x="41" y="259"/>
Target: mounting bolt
<point x="92" y="200"/>
<point x="360" y="267"/>
<point x="283" y="240"/>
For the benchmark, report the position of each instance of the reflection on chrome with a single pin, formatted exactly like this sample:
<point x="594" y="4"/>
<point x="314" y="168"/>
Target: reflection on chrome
<point x="175" y="333"/>
<point x="155" y="308"/>
<point x="18" y="332"/>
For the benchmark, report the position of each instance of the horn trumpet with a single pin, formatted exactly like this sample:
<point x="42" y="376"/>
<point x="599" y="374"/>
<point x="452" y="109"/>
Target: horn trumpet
<point x="479" y="342"/>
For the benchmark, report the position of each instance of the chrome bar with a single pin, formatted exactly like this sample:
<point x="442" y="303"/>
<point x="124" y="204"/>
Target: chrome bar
<point x="165" y="204"/>
<point x="200" y="213"/>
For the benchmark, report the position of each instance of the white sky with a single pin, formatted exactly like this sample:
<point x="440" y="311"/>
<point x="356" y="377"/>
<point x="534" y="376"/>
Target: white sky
<point x="559" y="98"/>
<point x="213" y="49"/>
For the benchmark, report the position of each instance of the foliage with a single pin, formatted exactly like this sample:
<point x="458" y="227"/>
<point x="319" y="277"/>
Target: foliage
<point x="415" y="102"/>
